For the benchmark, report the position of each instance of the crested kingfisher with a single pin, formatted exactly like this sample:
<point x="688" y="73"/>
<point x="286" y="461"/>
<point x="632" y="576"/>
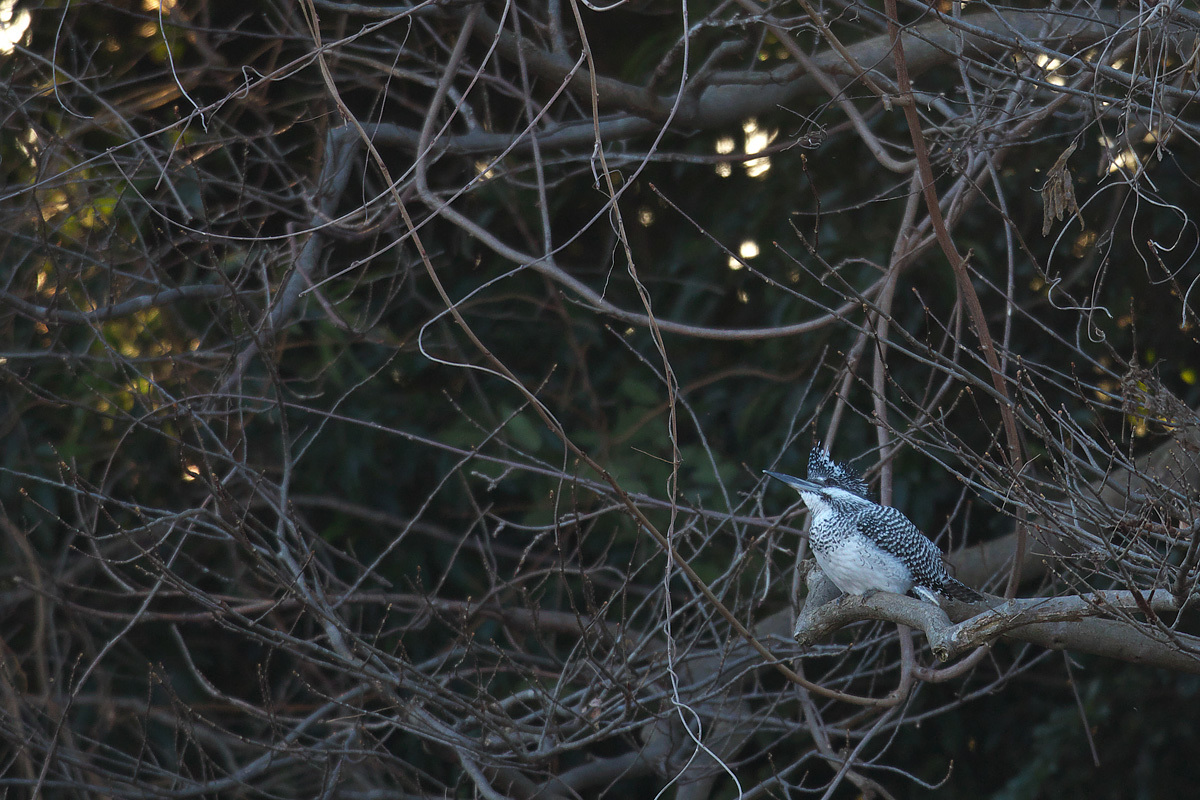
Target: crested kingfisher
<point x="864" y="547"/>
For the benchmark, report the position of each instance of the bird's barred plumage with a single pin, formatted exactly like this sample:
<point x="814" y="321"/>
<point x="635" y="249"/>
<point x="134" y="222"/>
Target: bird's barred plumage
<point x="862" y="546"/>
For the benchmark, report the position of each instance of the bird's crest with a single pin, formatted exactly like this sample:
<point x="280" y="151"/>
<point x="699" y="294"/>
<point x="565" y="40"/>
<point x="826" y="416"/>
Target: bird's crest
<point x="823" y="469"/>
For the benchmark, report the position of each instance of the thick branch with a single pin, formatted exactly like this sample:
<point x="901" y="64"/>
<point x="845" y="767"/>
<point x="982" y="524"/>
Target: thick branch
<point x="962" y="627"/>
<point x="733" y="95"/>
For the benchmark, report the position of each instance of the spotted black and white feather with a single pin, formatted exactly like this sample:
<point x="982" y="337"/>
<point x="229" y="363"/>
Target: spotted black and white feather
<point x="823" y="469"/>
<point x="862" y="546"/>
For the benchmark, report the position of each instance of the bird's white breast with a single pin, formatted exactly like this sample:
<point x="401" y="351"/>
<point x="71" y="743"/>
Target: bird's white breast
<point x="854" y="563"/>
<point x="856" y="566"/>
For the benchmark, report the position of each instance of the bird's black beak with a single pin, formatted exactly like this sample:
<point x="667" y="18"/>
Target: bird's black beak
<point x="796" y="483"/>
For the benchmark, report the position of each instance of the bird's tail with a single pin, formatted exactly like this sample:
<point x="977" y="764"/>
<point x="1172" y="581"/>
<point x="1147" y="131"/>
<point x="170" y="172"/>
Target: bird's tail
<point x="960" y="591"/>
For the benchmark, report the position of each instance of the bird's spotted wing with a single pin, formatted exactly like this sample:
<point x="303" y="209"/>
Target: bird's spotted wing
<point x="894" y="533"/>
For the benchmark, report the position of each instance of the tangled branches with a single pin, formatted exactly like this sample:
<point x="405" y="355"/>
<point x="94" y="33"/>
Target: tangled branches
<point x="390" y="383"/>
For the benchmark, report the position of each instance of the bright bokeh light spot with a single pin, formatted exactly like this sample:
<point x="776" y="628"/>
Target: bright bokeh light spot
<point x="1050" y="64"/>
<point x="757" y="167"/>
<point x="747" y="250"/>
<point x="1188" y="376"/>
<point x="190" y="472"/>
<point x="742" y="296"/>
<point x="1126" y="159"/>
<point x="13" y="25"/>
<point x="646" y="217"/>
<point x="757" y="140"/>
<point x="483" y="171"/>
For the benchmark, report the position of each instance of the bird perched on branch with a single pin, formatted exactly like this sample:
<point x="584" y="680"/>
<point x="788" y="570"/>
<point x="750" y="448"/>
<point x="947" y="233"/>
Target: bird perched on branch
<point x="864" y="547"/>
